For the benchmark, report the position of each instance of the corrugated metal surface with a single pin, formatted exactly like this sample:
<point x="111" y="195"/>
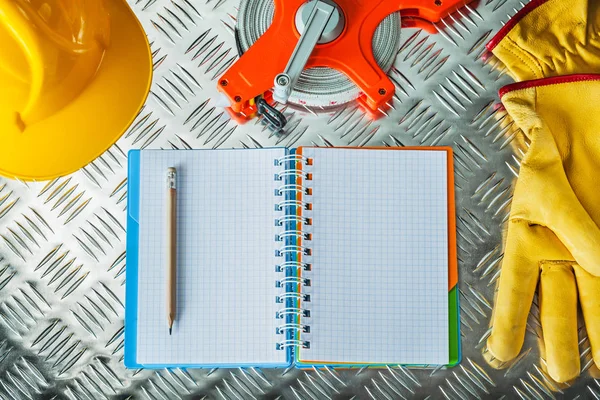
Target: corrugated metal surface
<point x="62" y="244"/>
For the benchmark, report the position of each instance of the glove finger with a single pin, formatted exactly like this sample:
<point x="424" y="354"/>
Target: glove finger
<point x="589" y="298"/>
<point x="516" y="289"/>
<point x="558" y="314"/>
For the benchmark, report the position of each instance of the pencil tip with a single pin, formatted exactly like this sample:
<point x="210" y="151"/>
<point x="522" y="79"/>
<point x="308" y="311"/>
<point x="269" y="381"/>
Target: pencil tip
<point x="170" y="330"/>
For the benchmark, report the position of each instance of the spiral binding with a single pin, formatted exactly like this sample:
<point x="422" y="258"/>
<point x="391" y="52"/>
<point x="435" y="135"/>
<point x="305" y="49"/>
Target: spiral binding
<point x="293" y="234"/>
<point x="292" y="265"/>
<point x="290" y="252"/>
<point x="292" y="203"/>
<point x="291" y="188"/>
<point x="297" y="296"/>
<point x="282" y="161"/>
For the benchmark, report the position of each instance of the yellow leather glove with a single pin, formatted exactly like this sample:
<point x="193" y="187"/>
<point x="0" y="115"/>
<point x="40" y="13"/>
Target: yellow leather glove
<point x="550" y="38"/>
<point x="553" y="233"/>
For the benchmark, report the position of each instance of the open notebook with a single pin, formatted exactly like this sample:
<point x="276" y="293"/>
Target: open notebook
<point x="315" y="256"/>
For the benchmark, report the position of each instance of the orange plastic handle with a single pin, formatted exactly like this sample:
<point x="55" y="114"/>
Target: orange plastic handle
<point x="352" y="53"/>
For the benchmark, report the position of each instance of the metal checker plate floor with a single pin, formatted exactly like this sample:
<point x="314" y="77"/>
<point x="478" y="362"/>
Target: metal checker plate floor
<point x="62" y="244"/>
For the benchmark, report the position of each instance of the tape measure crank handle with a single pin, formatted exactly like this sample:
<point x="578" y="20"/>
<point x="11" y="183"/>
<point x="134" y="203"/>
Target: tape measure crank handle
<point x="315" y="26"/>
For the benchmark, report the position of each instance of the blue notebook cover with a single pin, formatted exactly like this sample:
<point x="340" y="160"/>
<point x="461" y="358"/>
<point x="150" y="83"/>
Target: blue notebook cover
<point x="131" y="289"/>
<point x="131" y="271"/>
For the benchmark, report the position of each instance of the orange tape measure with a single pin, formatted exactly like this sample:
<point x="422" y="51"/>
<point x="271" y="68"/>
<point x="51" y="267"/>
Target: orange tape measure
<point x="351" y="53"/>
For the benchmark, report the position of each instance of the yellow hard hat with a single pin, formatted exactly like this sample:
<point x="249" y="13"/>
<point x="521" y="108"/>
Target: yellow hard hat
<point x="73" y="76"/>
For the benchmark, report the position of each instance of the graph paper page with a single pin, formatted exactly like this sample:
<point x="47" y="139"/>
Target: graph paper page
<point x="379" y="279"/>
<point x="226" y="277"/>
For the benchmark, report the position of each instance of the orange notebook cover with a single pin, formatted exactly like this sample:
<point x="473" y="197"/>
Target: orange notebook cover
<point x="453" y="295"/>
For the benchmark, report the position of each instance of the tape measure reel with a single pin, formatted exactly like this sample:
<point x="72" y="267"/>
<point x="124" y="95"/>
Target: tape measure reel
<point x="321" y="53"/>
<point x="319" y="87"/>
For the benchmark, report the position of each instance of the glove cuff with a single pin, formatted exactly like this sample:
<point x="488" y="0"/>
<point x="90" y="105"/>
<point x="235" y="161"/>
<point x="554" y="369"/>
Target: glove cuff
<point x="555" y="80"/>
